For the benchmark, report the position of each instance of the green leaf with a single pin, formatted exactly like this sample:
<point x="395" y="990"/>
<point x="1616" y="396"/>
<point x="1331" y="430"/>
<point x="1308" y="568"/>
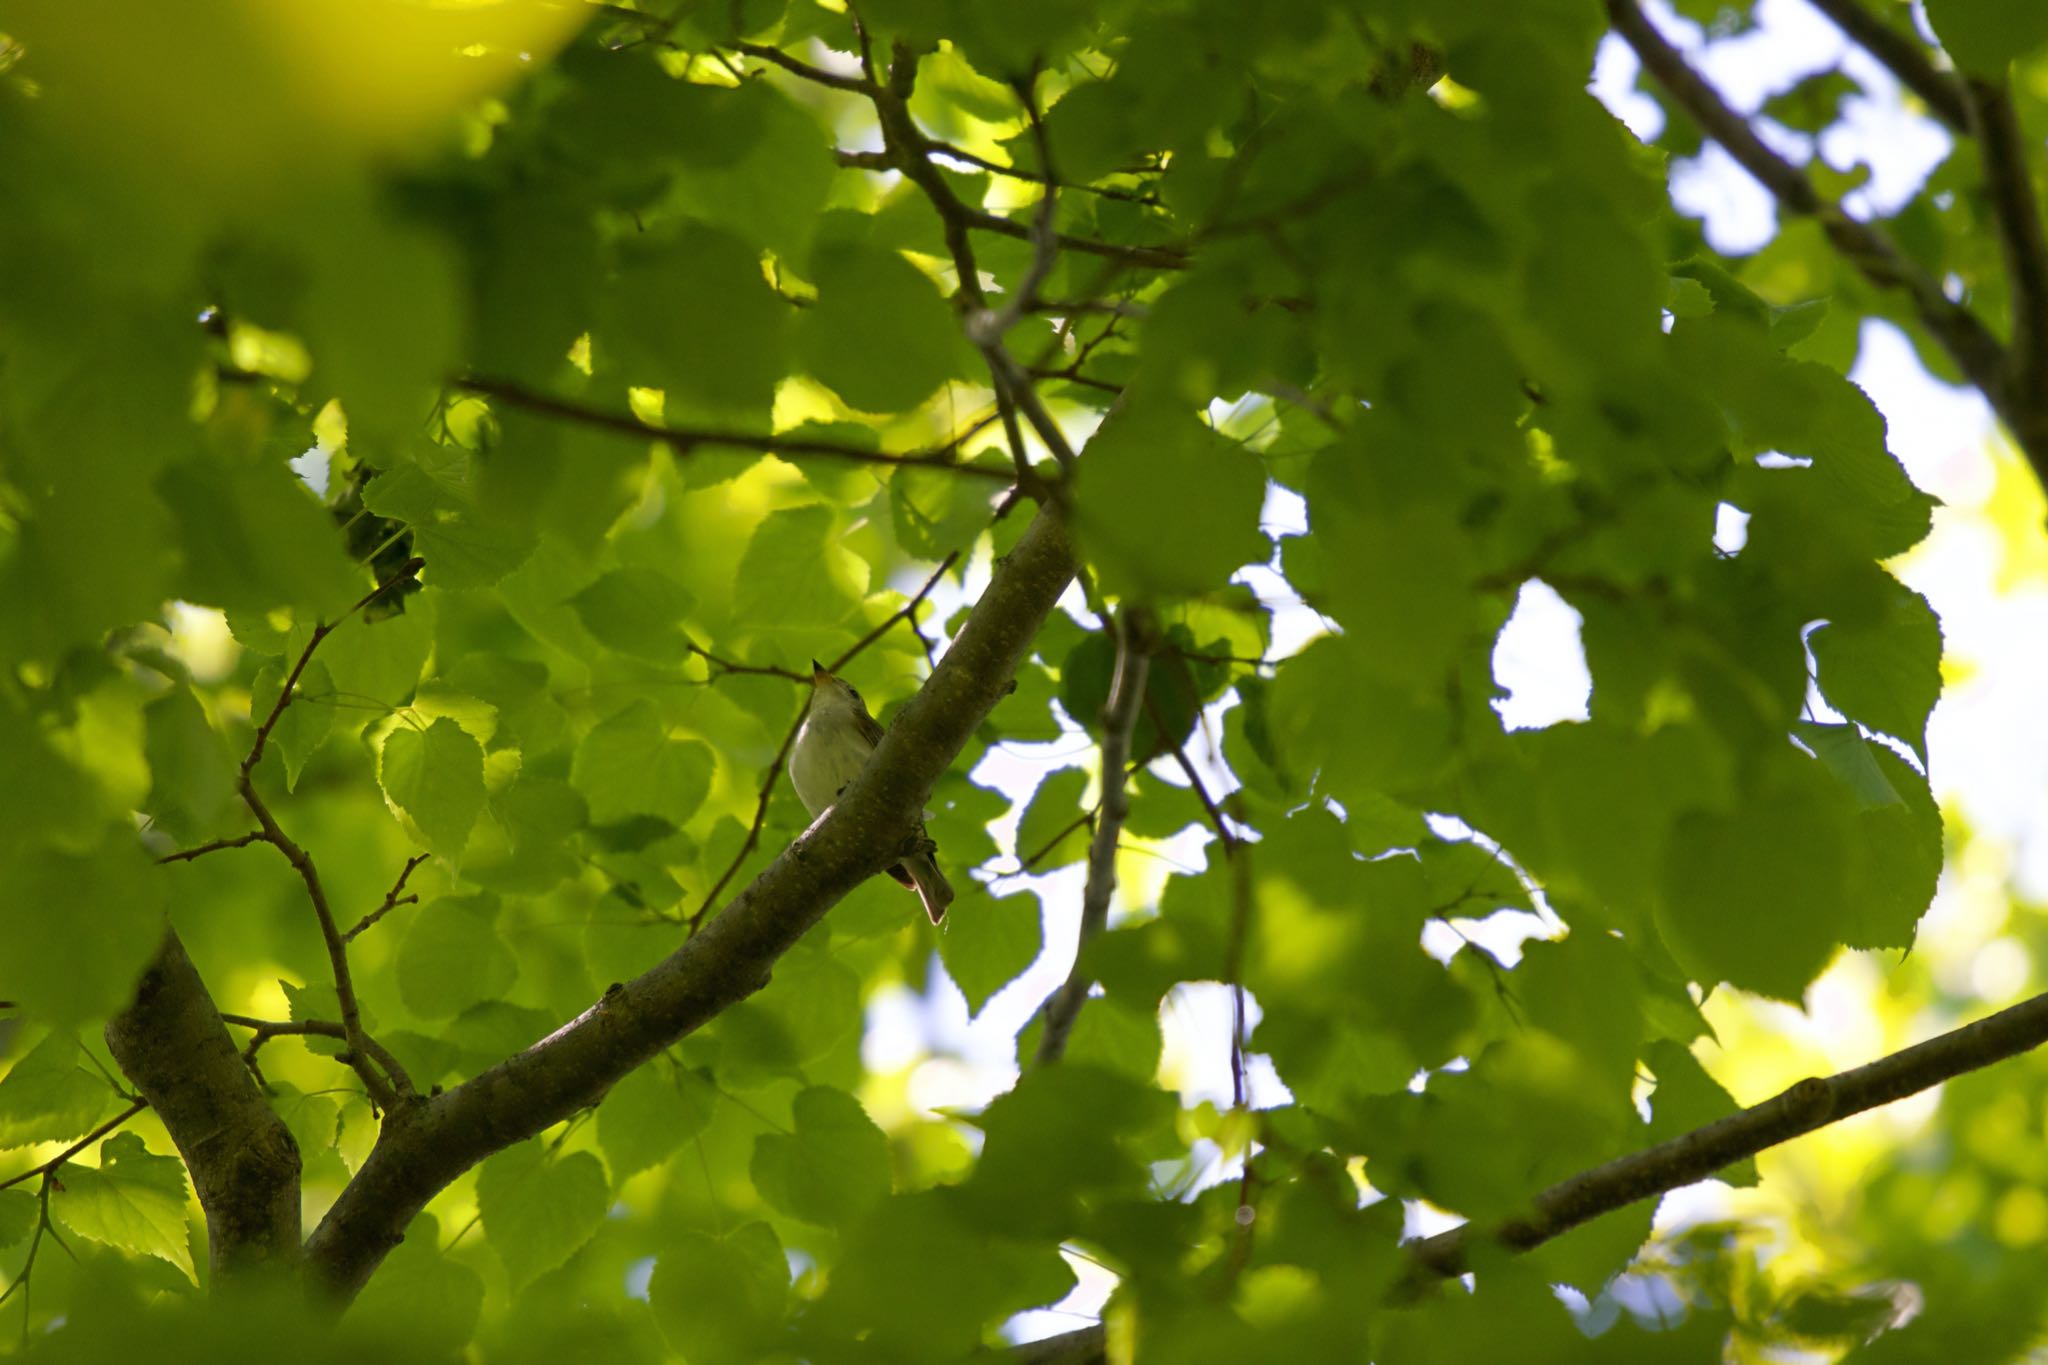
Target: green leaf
<point x="134" y="1200"/>
<point x="650" y="1113"/>
<point x="431" y="1298"/>
<point x="1884" y="669"/>
<point x="832" y="1168"/>
<point x="698" y="321"/>
<point x="721" y="1302"/>
<point x="306" y="723"/>
<point x="452" y="957"/>
<point x="254" y="538"/>
<point x="50" y="1095"/>
<point x="786" y="576"/>
<point x="637" y="611"/>
<point x="879" y="335"/>
<point x="1052" y="832"/>
<point x="989" y="942"/>
<point x="537" y="1210"/>
<point x="1983" y="38"/>
<point x="17" y="1216"/>
<point x="1064" y="1134"/>
<point x="1164" y="503"/>
<point x="79" y="927"/>
<point x="436" y="778"/>
<point x="192" y="776"/>
<point x="628" y="765"/>
<point x="1757" y="897"/>
<point x="375" y="661"/>
<point x="922" y="1280"/>
<point x="463" y="548"/>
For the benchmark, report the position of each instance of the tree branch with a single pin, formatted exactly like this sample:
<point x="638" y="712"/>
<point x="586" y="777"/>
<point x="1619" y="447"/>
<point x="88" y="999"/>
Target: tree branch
<point x="804" y="70"/>
<point x="363" y="1054"/>
<point x="135" y="1107"/>
<point x="254" y="836"/>
<point x="682" y="440"/>
<point x="1083" y="1346"/>
<point x="2010" y="181"/>
<point x="392" y="898"/>
<point x="1810" y="1104"/>
<point x="1969" y="343"/>
<point x="1903" y="57"/>
<point x="1119" y="718"/>
<point x="424" y="1146"/>
<point x="171" y="1044"/>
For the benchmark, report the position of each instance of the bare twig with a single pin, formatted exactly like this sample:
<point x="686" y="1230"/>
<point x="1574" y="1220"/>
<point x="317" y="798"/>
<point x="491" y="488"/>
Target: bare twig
<point x="987" y="329"/>
<point x="879" y="161"/>
<point x="392" y="898"/>
<point x="1904" y="57"/>
<point x="1810" y="1104"/>
<point x="722" y="666"/>
<point x="405" y="573"/>
<point x="254" y="836"/>
<point x="135" y="1107"/>
<point x="1119" y="718"/>
<point x="1236" y="853"/>
<point x="682" y="440"/>
<point x="266" y="1029"/>
<point x="753" y="838"/>
<point x="814" y="74"/>
<point x="906" y="612"/>
<point x="365" y="1054"/>
<point x="1976" y="352"/>
<point x="2017" y="214"/>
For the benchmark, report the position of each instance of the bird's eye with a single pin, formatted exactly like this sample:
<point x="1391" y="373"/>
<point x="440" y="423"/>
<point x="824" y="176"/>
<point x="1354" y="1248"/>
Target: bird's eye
<point x="853" y="692"/>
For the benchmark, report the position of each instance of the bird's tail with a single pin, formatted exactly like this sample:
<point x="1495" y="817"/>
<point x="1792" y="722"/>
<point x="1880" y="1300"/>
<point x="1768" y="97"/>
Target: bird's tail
<point x="930" y="884"/>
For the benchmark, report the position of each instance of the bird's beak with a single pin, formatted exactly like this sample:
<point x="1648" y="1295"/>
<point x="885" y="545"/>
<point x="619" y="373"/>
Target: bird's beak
<point x="818" y="673"/>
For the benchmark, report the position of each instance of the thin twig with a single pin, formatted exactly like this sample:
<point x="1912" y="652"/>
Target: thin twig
<point x="1976" y="352"/>
<point x="392" y="899"/>
<point x="987" y="329"/>
<point x="266" y="1029"/>
<point x="254" y="836"/>
<point x="879" y="161"/>
<point x="1236" y="854"/>
<point x="366" y="1055"/>
<point x="135" y="1107"/>
<point x="1119" y="719"/>
<point x="753" y="838"/>
<point x="721" y="666"/>
<point x="906" y="612"/>
<point x="682" y="440"/>
<point x="1903" y="56"/>
<point x="2017" y="214"/>
<point x="1810" y="1104"/>
<point x="814" y="74"/>
<point x="405" y="573"/>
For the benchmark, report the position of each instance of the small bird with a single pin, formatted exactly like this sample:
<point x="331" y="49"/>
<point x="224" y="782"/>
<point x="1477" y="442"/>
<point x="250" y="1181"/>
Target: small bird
<point x="831" y="749"/>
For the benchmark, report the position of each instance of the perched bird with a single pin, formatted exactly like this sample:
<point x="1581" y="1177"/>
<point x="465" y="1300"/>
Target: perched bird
<point x="831" y="749"/>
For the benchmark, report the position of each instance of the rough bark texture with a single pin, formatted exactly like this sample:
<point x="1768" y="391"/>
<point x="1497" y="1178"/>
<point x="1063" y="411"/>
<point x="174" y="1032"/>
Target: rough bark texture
<point x="427" y="1143"/>
<point x="173" y="1047"/>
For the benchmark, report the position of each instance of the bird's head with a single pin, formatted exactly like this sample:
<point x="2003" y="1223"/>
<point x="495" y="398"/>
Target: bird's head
<point x="834" y="693"/>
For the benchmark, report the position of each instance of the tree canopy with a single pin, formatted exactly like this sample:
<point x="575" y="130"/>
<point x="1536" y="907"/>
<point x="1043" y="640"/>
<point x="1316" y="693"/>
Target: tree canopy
<point x="435" y="441"/>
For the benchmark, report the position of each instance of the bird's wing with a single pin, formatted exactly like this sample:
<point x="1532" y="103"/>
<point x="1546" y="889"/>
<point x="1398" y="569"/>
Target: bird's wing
<point x="870" y="728"/>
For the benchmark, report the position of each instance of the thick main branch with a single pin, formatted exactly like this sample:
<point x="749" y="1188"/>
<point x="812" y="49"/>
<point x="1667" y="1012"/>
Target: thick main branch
<point x="172" y="1046"/>
<point x="425" y="1146"/>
